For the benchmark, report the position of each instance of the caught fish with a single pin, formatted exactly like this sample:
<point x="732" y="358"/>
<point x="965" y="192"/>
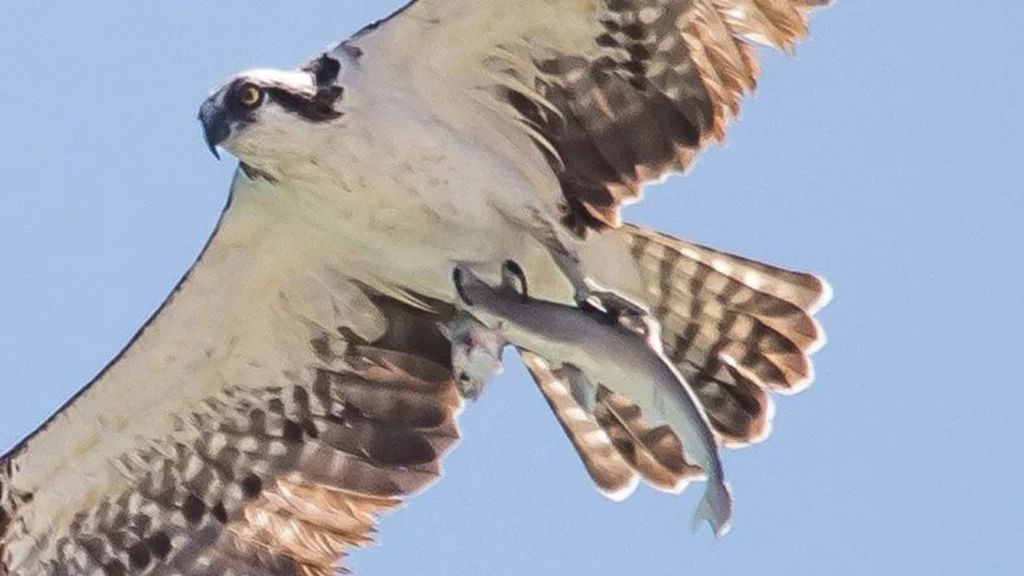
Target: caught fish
<point x="608" y="352"/>
<point x="476" y="353"/>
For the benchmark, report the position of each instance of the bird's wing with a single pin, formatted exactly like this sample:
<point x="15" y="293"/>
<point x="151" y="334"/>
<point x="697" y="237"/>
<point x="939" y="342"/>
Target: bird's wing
<point x="616" y="444"/>
<point x="257" y="424"/>
<point x="616" y="93"/>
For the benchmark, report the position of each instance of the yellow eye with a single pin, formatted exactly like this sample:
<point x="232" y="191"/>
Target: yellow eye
<point x="250" y="96"/>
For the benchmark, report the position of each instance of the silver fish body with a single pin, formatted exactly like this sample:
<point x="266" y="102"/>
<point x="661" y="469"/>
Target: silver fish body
<point x="617" y="357"/>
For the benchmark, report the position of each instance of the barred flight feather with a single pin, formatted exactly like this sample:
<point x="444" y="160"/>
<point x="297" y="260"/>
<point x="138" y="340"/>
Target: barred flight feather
<point x="735" y="328"/>
<point x="615" y="93"/>
<point x="613" y="475"/>
<point x="281" y="479"/>
<point x="277" y="455"/>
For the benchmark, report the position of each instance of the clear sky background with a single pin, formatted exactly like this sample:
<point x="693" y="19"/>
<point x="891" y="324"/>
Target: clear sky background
<point x="886" y="155"/>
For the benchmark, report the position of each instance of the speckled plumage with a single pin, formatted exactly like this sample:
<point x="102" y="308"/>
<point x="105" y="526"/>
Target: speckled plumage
<point x="295" y="385"/>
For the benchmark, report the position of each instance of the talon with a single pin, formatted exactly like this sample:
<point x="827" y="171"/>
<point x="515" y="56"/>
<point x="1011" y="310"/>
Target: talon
<point x="582" y="298"/>
<point x="606" y="317"/>
<point x="614" y="307"/>
<point x="587" y="306"/>
<point x="599" y="313"/>
<point x="460" y="288"/>
<point x="511" y="270"/>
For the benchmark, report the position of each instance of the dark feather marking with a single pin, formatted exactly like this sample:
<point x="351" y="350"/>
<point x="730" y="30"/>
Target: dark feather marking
<point x="318" y="108"/>
<point x="643" y="100"/>
<point x="193" y="509"/>
<point x="5" y="514"/>
<point x="293" y="432"/>
<point x="220" y="512"/>
<point x="251" y="486"/>
<point x="195" y="497"/>
<point x="159" y="545"/>
<point x="139" y="556"/>
<point x="324" y="69"/>
<point x="617" y="120"/>
<point x="115" y="568"/>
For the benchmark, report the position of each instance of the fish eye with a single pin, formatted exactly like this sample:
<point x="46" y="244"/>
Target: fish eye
<point x="250" y="96"/>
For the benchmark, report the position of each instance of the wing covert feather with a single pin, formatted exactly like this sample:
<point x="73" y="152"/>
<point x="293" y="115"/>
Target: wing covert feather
<point x="615" y="93"/>
<point x="287" y="432"/>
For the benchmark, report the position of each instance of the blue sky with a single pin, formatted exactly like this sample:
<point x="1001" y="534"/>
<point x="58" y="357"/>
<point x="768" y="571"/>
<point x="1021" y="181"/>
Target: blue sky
<point x="885" y="155"/>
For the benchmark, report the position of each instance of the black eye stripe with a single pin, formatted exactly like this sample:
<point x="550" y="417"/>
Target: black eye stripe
<point x="316" y="108"/>
<point x="324" y="69"/>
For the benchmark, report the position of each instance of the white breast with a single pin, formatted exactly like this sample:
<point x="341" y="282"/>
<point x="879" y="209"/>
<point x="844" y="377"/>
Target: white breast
<point x="409" y="182"/>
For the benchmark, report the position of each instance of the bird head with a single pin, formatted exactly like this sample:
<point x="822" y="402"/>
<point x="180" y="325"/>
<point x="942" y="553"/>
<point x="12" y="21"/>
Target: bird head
<point x="257" y="114"/>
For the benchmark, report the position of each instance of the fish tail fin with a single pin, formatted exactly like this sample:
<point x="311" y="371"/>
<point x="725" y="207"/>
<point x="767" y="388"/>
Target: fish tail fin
<point x="715" y="508"/>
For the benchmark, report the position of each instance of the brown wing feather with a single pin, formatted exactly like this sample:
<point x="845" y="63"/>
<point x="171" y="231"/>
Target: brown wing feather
<point x="734" y="327"/>
<point x="653" y="450"/>
<point x="668" y="78"/>
<point x="616" y="444"/>
<point x="611" y="473"/>
<point x="283" y="479"/>
<point x="615" y="92"/>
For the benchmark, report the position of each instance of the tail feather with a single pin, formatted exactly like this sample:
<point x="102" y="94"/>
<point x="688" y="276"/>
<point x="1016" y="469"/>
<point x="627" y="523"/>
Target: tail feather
<point x="611" y="473"/>
<point x="775" y="359"/>
<point x="655" y="452"/>
<point x="808" y="292"/>
<point x="616" y="444"/>
<point x="733" y="326"/>
<point x="739" y="410"/>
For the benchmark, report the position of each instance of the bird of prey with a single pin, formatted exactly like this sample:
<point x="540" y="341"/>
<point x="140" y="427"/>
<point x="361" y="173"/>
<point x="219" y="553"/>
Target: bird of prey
<point x="297" y="382"/>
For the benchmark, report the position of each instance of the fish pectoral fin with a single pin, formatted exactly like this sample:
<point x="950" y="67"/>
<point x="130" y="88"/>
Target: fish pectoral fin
<point x="583" y="391"/>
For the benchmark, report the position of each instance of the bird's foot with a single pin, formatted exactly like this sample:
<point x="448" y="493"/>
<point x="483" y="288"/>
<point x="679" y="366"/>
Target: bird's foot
<point x="459" y="280"/>
<point x="614" y="306"/>
<point x="513" y="278"/>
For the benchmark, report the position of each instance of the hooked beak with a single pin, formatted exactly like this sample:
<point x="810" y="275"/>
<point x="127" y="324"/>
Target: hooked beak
<point x="216" y="128"/>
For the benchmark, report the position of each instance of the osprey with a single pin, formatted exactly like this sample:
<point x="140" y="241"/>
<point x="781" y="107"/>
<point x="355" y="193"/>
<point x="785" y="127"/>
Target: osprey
<point x="298" y="381"/>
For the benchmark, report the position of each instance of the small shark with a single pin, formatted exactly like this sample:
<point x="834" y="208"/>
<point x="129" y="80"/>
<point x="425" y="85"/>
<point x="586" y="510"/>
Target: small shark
<point x="606" y="350"/>
<point x="476" y="353"/>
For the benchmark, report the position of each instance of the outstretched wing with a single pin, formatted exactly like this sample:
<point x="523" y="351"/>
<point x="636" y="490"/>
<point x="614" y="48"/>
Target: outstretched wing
<point x="616" y="93"/>
<point x="258" y="424"/>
